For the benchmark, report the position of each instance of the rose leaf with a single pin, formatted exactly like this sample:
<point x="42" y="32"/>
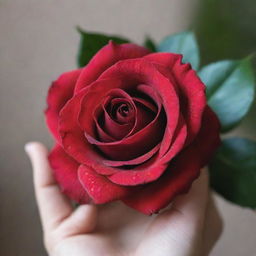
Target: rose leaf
<point x="233" y="171"/>
<point x="183" y="43"/>
<point x="149" y="43"/>
<point x="230" y="90"/>
<point x="91" y="43"/>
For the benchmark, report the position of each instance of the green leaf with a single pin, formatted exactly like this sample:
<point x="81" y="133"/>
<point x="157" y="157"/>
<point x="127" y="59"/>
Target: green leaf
<point x="149" y="43"/>
<point x="91" y="43"/>
<point x="233" y="171"/>
<point x="230" y="90"/>
<point x="183" y="43"/>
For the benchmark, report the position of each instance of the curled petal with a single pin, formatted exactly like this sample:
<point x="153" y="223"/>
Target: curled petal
<point x="100" y="189"/>
<point x="65" y="170"/>
<point x="105" y="58"/>
<point x="103" y="136"/>
<point x="136" y="161"/>
<point x="147" y="104"/>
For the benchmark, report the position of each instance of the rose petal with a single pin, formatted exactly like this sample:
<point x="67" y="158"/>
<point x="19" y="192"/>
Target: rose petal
<point x="105" y="58"/>
<point x="181" y="172"/>
<point x="146" y="104"/>
<point x="65" y="170"/>
<point x="192" y="90"/>
<point x="59" y="93"/>
<point x="100" y="189"/>
<point x="101" y="134"/>
<point x="136" y="161"/>
<point x="144" y="117"/>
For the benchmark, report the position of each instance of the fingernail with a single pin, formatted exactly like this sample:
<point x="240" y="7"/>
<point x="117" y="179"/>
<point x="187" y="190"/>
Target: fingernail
<point x="27" y="147"/>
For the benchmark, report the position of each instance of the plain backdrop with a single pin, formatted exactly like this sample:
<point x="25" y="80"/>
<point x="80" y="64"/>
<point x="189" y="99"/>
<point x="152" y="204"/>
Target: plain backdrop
<point x="38" y="42"/>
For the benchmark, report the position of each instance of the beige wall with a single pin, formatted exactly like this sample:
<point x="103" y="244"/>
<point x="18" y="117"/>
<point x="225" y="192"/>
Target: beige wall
<point x="37" y="43"/>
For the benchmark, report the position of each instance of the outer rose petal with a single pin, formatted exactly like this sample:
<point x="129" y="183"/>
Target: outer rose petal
<point x="99" y="187"/>
<point x="66" y="173"/>
<point x="182" y="171"/>
<point x="191" y="88"/>
<point x="59" y="93"/>
<point x="105" y="58"/>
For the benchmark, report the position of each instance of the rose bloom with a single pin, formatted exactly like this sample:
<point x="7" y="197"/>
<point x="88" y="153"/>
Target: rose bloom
<point x="131" y="126"/>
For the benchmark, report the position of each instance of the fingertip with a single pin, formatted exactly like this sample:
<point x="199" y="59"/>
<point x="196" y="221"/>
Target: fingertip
<point x="29" y="148"/>
<point x="33" y="147"/>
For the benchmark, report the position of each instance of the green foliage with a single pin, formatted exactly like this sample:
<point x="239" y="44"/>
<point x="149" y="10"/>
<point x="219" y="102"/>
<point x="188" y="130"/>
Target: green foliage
<point x="233" y="171"/>
<point x="230" y="90"/>
<point x="149" y="43"/>
<point x="90" y="43"/>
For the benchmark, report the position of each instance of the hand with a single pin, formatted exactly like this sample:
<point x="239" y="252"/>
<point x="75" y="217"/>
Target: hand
<point x="190" y="227"/>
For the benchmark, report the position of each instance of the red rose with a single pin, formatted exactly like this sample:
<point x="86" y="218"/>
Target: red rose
<point x="131" y="126"/>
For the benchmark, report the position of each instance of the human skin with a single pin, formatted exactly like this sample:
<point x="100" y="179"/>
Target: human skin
<point x="189" y="227"/>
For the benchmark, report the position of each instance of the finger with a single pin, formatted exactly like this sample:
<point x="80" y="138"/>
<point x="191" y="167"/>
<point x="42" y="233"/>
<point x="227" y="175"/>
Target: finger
<point x="83" y="220"/>
<point x="53" y="206"/>
<point x="179" y="229"/>
<point x="213" y="226"/>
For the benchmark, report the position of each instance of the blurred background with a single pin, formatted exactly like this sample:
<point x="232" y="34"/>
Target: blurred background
<point x="39" y="42"/>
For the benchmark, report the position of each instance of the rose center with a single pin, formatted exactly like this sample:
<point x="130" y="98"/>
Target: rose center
<point x="124" y="110"/>
<point x="121" y="112"/>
